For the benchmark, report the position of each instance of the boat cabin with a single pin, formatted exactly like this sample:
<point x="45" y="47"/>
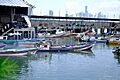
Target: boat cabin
<point x="14" y="15"/>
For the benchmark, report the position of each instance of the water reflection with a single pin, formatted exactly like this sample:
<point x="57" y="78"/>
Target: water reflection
<point x="117" y="56"/>
<point x="69" y="65"/>
<point x="84" y="53"/>
<point x="41" y="56"/>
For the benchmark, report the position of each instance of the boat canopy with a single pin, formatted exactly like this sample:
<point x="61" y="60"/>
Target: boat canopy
<point x="27" y="20"/>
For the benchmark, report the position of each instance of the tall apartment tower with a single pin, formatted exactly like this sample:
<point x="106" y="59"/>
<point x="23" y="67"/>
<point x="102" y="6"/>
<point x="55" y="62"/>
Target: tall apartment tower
<point x="66" y="15"/>
<point x="86" y="11"/>
<point x="50" y="13"/>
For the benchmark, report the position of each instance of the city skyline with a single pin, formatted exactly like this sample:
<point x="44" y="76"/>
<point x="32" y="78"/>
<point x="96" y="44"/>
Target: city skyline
<point x="59" y="7"/>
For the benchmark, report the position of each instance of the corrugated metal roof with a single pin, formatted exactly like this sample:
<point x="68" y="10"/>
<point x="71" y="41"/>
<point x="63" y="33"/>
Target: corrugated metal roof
<point x="15" y="3"/>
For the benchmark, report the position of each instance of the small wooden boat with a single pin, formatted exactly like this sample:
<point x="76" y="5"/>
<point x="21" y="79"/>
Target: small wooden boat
<point x="57" y="33"/>
<point x="21" y="43"/>
<point x="50" y="35"/>
<point x="48" y="47"/>
<point x="26" y="44"/>
<point x="116" y="50"/>
<point x="2" y="45"/>
<point x="113" y="41"/>
<point x="17" y="52"/>
<point x="101" y="40"/>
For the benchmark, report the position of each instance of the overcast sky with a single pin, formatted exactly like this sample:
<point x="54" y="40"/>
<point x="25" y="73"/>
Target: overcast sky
<point x="108" y="7"/>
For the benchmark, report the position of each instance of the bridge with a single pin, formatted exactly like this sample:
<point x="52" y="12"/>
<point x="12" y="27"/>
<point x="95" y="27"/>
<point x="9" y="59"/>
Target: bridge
<point x="76" y="23"/>
<point x="73" y="18"/>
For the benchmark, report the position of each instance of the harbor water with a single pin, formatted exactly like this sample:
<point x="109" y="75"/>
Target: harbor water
<point x="98" y="64"/>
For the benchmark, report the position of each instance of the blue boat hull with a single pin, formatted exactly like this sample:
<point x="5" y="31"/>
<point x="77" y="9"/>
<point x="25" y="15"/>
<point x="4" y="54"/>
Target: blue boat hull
<point x="2" y="45"/>
<point x="69" y="48"/>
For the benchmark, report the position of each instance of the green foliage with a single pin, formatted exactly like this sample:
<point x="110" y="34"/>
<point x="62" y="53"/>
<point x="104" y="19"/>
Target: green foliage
<point x="8" y="68"/>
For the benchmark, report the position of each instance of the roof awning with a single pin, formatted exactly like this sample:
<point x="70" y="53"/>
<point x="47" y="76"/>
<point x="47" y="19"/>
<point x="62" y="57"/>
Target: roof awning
<point x="14" y="3"/>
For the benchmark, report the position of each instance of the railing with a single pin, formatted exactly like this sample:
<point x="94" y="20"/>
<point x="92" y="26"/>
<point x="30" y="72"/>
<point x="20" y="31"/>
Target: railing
<point x="5" y="29"/>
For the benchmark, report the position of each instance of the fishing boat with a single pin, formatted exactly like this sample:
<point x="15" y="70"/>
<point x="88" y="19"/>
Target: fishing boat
<point x="116" y="50"/>
<point x="17" y="52"/>
<point x="101" y="40"/>
<point x="2" y="45"/>
<point x="26" y="43"/>
<point x="48" y="47"/>
<point x="113" y="41"/>
<point x="58" y="33"/>
<point x="20" y="43"/>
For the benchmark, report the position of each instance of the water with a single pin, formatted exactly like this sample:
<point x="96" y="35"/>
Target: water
<point x="98" y="64"/>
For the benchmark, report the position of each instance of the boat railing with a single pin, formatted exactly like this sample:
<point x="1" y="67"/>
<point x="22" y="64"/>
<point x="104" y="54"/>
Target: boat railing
<point x="3" y="37"/>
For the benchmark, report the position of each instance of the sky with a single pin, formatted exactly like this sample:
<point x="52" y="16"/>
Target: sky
<point x="60" y="7"/>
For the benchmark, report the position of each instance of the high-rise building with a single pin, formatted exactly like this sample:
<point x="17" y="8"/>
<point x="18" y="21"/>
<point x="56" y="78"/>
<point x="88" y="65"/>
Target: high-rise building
<point x="50" y="13"/>
<point x="66" y="15"/>
<point x="86" y="11"/>
<point x="99" y="15"/>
